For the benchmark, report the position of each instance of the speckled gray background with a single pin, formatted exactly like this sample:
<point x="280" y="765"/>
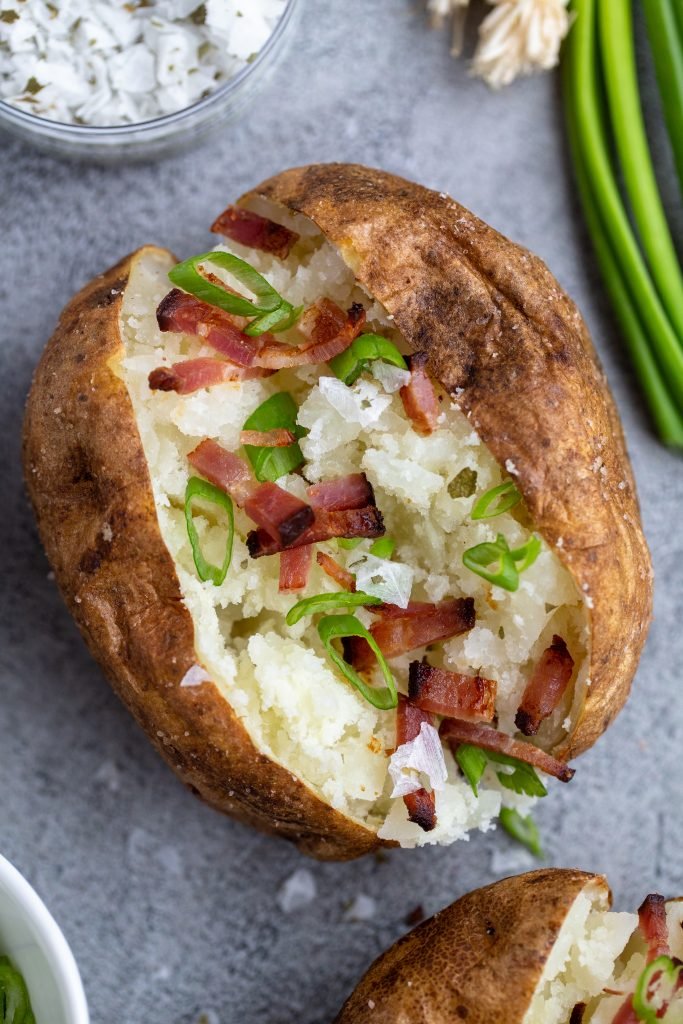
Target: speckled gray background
<point x="172" y="910"/>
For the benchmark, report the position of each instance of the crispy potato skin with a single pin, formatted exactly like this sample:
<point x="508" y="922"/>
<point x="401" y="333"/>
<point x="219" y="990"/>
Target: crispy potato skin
<point x="479" y="960"/>
<point x="512" y="349"/>
<point x="88" y="479"/>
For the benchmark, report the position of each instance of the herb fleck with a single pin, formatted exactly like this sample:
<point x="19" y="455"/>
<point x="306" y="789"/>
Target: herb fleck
<point x="464" y="484"/>
<point x="9" y="16"/>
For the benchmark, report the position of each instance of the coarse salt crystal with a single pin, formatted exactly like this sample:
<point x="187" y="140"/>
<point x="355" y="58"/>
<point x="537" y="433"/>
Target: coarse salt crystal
<point x="195" y="676"/>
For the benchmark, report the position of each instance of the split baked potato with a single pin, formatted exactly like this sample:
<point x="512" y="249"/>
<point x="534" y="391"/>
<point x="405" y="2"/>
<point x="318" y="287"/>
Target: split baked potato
<point x="539" y="948"/>
<point x="363" y="392"/>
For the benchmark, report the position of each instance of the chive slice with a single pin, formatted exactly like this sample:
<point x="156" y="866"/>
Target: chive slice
<point x="481" y="556"/>
<point x="323" y="602"/>
<point x="198" y="488"/>
<point x="349" y="543"/>
<point x="472" y="761"/>
<point x="524" y="830"/>
<point x="15" y="1003"/>
<point x="524" y="778"/>
<point x="272" y="312"/>
<point x="496" y="501"/>
<point x="336" y="626"/>
<point x="644" y="1004"/>
<point x="527" y="554"/>
<point x="280" y="410"/>
<point x="383" y="547"/>
<point x="350" y="363"/>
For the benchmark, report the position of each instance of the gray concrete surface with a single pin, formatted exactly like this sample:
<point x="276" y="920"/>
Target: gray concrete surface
<point x="172" y="910"/>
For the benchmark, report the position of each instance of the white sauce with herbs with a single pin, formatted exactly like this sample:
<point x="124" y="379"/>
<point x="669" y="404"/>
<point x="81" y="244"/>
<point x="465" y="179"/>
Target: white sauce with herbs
<point x="115" y="62"/>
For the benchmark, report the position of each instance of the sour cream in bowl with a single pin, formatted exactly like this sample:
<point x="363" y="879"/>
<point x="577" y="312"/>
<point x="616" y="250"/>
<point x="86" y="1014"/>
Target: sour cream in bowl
<point x="37" y="949"/>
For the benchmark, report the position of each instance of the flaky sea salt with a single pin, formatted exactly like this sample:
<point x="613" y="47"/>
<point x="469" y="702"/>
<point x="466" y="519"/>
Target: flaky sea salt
<point x="121" y="62"/>
<point x="297" y="891"/>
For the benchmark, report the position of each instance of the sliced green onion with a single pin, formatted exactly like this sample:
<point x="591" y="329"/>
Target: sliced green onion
<point x="643" y="1004"/>
<point x="524" y="830"/>
<point x="198" y="488"/>
<point x="337" y="626"/>
<point x="349" y="543"/>
<point x="481" y="556"/>
<point x="523" y="779"/>
<point x="350" y="363"/>
<point x="527" y="554"/>
<point x="472" y="762"/>
<point x="496" y="501"/>
<point x="324" y="602"/>
<point x="664" y="19"/>
<point x="15" y="1004"/>
<point x="280" y="410"/>
<point x="383" y="547"/>
<point x="186" y="275"/>
<point x="281" y="319"/>
<point x="464" y="484"/>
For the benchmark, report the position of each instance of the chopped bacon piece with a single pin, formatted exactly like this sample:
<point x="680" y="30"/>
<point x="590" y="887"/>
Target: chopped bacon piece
<point x="182" y="312"/>
<point x="345" y="579"/>
<point x="329" y="331"/>
<point x="224" y="469"/>
<point x="472" y="698"/>
<point x="279" y="437"/>
<point x="546" y="687"/>
<point x="257" y="232"/>
<point x="393" y="611"/>
<point x="193" y="374"/>
<point x="419" y="397"/>
<point x="352" y="491"/>
<point x="295" y="565"/>
<point x="627" y="1015"/>
<point x="282" y="515"/>
<point x="421" y="809"/>
<point x="652" y="922"/>
<point x="416" y="627"/>
<point x="409" y="719"/>
<point x="361" y="522"/>
<point x="455" y="731"/>
<point x="577" y="1014"/>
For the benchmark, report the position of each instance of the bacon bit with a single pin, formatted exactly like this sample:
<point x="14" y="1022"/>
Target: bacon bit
<point x="330" y="329"/>
<point x="472" y="698"/>
<point x="652" y="922"/>
<point x="626" y="1015"/>
<point x="375" y="745"/>
<point x="337" y="572"/>
<point x="546" y="687"/>
<point x="282" y="515"/>
<point x="409" y="719"/>
<point x="421" y="809"/>
<point x="193" y="374"/>
<point x="344" y="492"/>
<point x="279" y="437"/>
<point x="415" y="627"/>
<point x="257" y="232"/>
<point x="224" y="469"/>
<point x="295" y="565"/>
<point x="361" y="522"/>
<point x="182" y="312"/>
<point x="455" y="731"/>
<point x="419" y="397"/>
<point x="577" y="1014"/>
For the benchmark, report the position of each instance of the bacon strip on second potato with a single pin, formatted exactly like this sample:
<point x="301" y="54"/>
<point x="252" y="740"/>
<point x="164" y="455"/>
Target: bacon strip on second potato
<point x="295" y="566"/>
<point x="652" y="923"/>
<point x="224" y="469"/>
<point x="546" y="687"/>
<point x="419" y="396"/>
<point x="329" y="331"/>
<point x="279" y="437"/>
<point x="193" y="374"/>
<point x="179" y="311"/>
<point x="421" y="804"/>
<point x="257" y="232"/>
<point x="410" y="628"/>
<point x="455" y="731"/>
<point x="472" y="698"/>
<point x="359" y="522"/>
<point x="343" y="492"/>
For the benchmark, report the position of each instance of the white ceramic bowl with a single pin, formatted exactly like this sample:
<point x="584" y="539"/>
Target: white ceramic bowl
<point x="31" y="938"/>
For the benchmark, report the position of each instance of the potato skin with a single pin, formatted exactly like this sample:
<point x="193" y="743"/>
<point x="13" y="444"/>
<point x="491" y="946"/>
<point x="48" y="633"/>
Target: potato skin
<point x="479" y="960"/>
<point x="89" y="483"/>
<point x="514" y="352"/>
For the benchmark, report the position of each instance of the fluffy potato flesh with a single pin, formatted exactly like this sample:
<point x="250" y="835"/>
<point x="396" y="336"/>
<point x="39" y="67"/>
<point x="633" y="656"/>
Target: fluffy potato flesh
<point x="297" y="710"/>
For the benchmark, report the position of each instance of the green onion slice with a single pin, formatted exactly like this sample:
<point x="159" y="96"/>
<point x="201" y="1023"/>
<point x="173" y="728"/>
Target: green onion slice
<point x="472" y="761"/>
<point x="524" y="830"/>
<point x="349" y="543"/>
<point x="280" y="410"/>
<point x="496" y="501"/>
<point x="187" y="275"/>
<point x="281" y="319"/>
<point x="527" y="554"/>
<point x="198" y="488"/>
<point x="350" y="363"/>
<point x="333" y="626"/>
<point x="323" y="602"/>
<point x="481" y="556"/>
<point x="383" y="547"/>
<point x="661" y="972"/>
<point x="523" y="779"/>
<point x="15" y="1004"/>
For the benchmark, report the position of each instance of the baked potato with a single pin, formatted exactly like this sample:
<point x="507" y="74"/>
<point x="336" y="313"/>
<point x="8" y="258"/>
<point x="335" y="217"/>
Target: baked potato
<point x="366" y="417"/>
<point x="538" y="948"/>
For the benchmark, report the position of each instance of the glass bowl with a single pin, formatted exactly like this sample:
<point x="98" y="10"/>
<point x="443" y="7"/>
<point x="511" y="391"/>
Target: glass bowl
<point x="161" y="135"/>
<point x="32" y="940"/>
